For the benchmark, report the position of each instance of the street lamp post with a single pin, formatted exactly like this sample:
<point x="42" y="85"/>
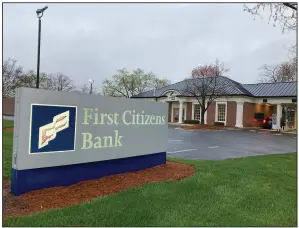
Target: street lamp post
<point x="39" y="13"/>
<point x="91" y="82"/>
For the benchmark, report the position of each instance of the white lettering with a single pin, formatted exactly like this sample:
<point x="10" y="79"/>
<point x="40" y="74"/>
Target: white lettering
<point x="97" y="142"/>
<point x="87" y="115"/>
<point x="87" y="139"/>
<point x="124" y="117"/>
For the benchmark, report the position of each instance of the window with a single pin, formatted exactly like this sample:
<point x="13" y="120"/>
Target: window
<point x="221" y="111"/>
<point x="196" y="115"/>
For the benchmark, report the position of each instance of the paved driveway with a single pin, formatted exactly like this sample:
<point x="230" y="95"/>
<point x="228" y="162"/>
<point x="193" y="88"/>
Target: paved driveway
<point x="214" y="145"/>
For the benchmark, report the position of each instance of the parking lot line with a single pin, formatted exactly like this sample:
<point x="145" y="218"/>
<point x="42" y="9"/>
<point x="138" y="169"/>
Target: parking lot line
<point x="212" y="147"/>
<point x="174" y="140"/>
<point x="180" y="151"/>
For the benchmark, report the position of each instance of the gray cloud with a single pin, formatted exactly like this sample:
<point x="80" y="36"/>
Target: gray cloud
<point x="94" y="40"/>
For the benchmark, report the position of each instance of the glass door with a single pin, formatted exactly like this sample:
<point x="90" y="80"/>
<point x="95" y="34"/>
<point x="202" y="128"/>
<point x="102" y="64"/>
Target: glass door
<point x="176" y="114"/>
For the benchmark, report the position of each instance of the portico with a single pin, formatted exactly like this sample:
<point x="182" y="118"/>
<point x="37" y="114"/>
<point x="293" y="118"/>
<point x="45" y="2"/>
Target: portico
<point x="282" y="110"/>
<point x="178" y="112"/>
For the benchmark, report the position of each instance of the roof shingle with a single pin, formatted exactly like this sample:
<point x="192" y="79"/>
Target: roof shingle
<point x="280" y="89"/>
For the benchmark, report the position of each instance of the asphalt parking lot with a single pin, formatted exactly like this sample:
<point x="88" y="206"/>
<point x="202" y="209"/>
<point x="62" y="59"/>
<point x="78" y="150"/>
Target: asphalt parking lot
<point x="217" y="145"/>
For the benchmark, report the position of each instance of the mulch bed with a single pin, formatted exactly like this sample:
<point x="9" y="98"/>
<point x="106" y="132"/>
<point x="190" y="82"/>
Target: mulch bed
<point x="60" y="197"/>
<point x="8" y="129"/>
<point x="203" y="127"/>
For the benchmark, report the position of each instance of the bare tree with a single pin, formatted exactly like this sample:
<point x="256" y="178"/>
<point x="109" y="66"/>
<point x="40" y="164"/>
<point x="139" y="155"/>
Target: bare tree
<point x="269" y="73"/>
<point x="60" y="82"/>
<point x="28" y="79"/>
<point x="14" y="77"/>
<point x="284" y="14"/>
<point x="288" y="71"/>
<point x="205" y="85"/>
<point x="11" y="73"/>
<point x="283" y="72"/>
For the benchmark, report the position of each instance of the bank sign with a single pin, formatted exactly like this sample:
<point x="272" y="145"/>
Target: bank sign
<point x="62" y="138"/>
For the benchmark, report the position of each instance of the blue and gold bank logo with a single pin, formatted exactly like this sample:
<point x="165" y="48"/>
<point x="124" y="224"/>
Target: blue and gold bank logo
<point x="52" y="128"/>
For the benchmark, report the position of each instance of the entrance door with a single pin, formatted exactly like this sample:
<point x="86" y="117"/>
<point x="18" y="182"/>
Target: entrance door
<point x="176" y="112"/>
<point x="290" y="118"/>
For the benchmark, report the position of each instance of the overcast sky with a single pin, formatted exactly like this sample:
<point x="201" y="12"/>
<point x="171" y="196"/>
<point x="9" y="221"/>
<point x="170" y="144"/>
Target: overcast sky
<point x="93" y="40"/>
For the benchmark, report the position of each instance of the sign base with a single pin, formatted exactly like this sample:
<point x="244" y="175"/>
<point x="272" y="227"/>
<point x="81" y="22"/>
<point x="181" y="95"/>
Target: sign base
<point x="24" y="181"/>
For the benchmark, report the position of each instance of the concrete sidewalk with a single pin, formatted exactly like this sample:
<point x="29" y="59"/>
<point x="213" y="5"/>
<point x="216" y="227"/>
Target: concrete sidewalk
<point x="181" y="127"/>
<point x="7" y="117"/>
<point x="290" y="132"/>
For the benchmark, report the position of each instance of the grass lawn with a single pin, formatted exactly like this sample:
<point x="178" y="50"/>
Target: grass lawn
<point x="253" y="191"/>
<point x="7" y="123"/>
<point x="7" y="153"/>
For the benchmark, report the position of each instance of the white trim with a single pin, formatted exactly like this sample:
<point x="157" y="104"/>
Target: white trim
<point x="170" y="90"/>
<point x="181" y="107"/>
<point x="216" y="112"/>
<point x="239" y="114"/>
<point x="273" y="100"/>
<point x="185" y="111"/>
<point x="277" y="126"/>
<point x="278" y="100"/>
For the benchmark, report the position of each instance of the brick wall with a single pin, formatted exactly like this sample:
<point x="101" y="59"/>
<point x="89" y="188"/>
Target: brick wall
<point x="211" y="114"/>
<point x="231" y="114"/>
<point x="189" y="111"/>
<point x="248" y="113"/>
<point x="8" y="106"/>
<point x="266" y="109"/>
<point x="169" y="111"/>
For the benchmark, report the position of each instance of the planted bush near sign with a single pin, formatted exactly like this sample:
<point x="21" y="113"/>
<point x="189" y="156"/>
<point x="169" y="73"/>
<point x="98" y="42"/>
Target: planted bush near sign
<point x="219" y="124"/>
<point x="191" y="122"/>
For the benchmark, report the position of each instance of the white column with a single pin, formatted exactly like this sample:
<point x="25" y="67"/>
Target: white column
<point x="239" y="115"/>
<point x="206" y="115"/>
<point x="172" y="113"/>
<point x="181" y="112"/>
<point x="278" y="116"/>
<point x="185" y="107"/>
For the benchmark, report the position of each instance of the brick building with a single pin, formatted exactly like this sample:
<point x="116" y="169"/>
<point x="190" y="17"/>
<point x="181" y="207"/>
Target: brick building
<point x="8" y="106"/>
<point x="238" y="107"/>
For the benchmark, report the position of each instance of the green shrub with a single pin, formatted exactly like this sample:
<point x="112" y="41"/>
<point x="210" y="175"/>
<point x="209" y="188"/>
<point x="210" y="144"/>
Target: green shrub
<point x="219" y="124"/>
<point x="191" y="122"/>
